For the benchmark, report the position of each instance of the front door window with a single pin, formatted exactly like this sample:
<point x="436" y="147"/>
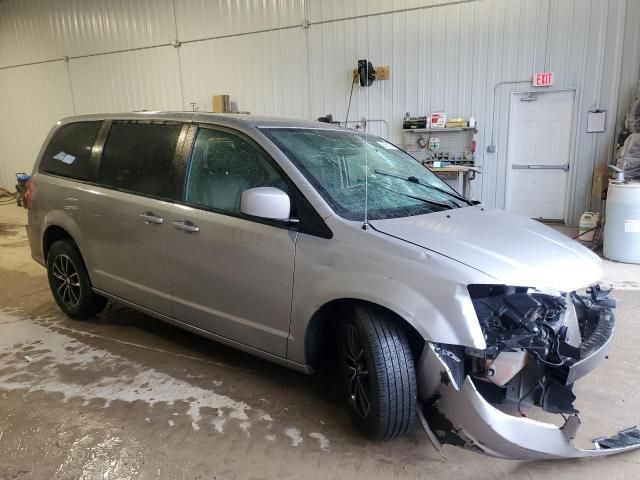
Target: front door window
<point x="224" y="165"/>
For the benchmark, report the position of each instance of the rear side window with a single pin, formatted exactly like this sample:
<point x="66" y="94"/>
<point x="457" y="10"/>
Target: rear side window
<point x="69" y="151"/>
<point x="138" y="157"/>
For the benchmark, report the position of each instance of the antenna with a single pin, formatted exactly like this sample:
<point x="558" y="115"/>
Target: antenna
<point x="366" y="161"/>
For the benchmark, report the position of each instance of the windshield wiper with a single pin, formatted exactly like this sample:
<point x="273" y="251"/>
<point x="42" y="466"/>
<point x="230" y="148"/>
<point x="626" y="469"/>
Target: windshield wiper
<point x="430" y="202"/>
<point x="413" y="179"/>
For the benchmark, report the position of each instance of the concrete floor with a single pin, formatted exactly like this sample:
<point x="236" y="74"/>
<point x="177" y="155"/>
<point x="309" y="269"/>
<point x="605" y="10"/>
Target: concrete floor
<point x="126" y="396"/>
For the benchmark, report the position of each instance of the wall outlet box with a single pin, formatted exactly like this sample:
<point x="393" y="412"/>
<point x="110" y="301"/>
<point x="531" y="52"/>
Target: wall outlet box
<point x="383" y="73"/>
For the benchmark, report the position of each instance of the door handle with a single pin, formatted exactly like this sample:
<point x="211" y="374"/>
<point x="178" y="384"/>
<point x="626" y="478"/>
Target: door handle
<point x="517" y="166"/>
<point x="186" y="225"/>
<point x="149" y="217"/>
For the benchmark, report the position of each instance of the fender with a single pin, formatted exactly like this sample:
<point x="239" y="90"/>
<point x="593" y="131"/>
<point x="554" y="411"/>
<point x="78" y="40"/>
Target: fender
<point x="451" y="320"/>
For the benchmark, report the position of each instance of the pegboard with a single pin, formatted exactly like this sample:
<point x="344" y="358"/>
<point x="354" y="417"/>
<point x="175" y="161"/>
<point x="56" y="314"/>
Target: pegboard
<point x="458" y="143"/>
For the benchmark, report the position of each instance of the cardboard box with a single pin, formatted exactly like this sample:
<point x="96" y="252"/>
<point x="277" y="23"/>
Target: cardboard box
<point x="221" y="104"/>
<point x="601" y="174"/>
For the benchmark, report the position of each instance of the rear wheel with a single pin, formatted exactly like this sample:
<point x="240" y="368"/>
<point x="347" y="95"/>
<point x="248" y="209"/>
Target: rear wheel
<point x="69" y="282"/>
<point x="379" y="373"/>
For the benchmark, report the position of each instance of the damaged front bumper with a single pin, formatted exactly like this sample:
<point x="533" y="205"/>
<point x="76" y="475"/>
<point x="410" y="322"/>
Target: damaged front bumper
<point x="459" y="402"/>
<point x="478" y="425"/>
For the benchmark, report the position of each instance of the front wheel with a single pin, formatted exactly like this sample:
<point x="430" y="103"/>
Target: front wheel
<point x="379" y="373"/>
<point x="70" y="283"/>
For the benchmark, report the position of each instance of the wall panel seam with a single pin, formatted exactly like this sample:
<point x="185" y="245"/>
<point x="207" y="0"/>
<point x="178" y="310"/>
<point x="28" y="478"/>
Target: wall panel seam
<point x="69" y="78"/>
<point x="399" y="10"/>
<point x="175" y="25"/>
<point x="149" y="47"/>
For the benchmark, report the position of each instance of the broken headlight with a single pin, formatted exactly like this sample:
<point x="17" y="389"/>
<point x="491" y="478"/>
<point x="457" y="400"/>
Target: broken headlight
<point x="534" y="341"/>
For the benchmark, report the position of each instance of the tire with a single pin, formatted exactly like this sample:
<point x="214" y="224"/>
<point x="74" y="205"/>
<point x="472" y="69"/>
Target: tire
<point x="378" y="369"/>
<point x="70" y="283"/>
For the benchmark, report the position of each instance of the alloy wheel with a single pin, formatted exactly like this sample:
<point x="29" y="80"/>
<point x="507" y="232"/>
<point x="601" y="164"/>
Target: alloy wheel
<point x="66" y="281"/>
<point x="357" y="372"/>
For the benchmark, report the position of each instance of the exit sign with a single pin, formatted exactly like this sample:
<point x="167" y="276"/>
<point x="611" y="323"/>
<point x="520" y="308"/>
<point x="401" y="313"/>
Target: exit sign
<point x="543" y="79"/>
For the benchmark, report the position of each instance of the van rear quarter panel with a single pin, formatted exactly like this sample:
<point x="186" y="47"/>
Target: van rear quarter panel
<point x="58" y="202"/>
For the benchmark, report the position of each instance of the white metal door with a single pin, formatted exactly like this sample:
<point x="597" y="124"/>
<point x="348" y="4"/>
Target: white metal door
<point x="540" y="127"/>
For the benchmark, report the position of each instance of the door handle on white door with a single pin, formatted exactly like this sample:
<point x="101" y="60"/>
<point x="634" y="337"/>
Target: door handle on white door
<point x="149" y="217"/>
<point x="519" y="166"/>
<point x="186" y="225"/>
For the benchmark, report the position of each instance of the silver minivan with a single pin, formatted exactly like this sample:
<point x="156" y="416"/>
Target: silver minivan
<point x="311" y="245"/>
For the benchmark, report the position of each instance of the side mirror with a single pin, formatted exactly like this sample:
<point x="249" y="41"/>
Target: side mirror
<point x="266" y="202"/>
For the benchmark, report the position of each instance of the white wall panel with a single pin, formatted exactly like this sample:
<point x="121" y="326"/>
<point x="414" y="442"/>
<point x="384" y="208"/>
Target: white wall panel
<point x="197" y="19"/>
<point x="96" y="26"/>
<point x="26" y="33"/>
<point x="32" y="99"/>
<point x="35" y="30"/>
<point x="264" y="73"/>
<point x="146" y="79"/>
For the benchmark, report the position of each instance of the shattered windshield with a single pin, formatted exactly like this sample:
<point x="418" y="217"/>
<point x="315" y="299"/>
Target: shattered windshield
<point x="334" y="162"/>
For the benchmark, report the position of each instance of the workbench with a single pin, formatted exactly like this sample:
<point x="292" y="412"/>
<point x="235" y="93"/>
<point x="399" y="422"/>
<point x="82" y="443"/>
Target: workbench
<point x="463" y="175"/>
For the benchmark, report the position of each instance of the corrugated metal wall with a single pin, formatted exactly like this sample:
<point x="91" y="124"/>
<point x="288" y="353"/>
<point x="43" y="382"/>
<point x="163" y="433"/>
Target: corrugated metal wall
<point x="32" y="99"/>
<point x="147" y="79"/>
<point x="294" y="58"/>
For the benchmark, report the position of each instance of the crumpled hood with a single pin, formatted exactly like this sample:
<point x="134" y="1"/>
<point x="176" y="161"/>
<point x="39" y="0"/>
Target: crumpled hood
<point x="513" y="249"/>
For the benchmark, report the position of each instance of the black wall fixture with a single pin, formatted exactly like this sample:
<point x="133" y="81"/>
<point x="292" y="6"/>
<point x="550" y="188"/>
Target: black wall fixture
<point x="366" y="72"/>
